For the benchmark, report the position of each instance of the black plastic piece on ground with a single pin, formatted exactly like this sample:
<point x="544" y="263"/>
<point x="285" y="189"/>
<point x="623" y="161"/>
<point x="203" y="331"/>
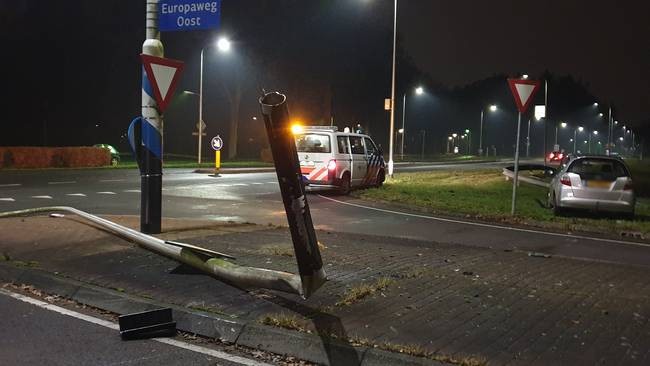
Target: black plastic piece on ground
<point x="147" y="324"/>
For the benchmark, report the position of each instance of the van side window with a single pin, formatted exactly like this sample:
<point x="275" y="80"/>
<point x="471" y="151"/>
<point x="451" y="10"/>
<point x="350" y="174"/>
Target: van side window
<point x="371" y="149"/>
<point x="344" y="148"/>
<point x="356" y="145"/>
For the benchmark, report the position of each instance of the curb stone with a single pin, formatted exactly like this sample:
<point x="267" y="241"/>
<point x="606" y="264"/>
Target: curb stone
<point x="236" y="170"/>
<point x="303" y="346"/>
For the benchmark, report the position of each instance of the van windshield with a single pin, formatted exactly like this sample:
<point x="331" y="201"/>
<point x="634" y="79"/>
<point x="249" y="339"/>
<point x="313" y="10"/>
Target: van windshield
<point x="313" y="143"/>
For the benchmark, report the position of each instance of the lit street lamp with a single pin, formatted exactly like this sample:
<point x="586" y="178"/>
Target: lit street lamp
<point x="493" y="108"/>
<point x="575" y="137"/>
<point x="595" y="133"/>
<point x="223" y="45"/>
<point x="418" y="91"/>
<point x="563" y="125"/>
<point x="469" y="141"/>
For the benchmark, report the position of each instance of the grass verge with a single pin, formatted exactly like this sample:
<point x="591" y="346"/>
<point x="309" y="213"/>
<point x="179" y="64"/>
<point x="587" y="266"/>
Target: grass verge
<point x="358" y="292"/>
<point x="486" y="195"/>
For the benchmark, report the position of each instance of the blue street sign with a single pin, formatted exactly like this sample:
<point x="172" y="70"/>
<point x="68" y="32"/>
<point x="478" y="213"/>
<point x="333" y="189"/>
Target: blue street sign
<point x="182" y="15"/>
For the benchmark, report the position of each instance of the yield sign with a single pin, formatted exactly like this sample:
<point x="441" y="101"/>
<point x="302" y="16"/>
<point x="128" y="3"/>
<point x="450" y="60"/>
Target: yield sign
<point x="523" y="90"/>
<point x="163" y="74"/>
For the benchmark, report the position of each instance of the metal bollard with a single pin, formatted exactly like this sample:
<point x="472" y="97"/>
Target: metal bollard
<point x="287" y="166"/>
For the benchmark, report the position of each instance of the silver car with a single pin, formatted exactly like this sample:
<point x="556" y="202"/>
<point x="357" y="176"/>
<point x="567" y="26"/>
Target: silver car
<point x="595" y="183"/>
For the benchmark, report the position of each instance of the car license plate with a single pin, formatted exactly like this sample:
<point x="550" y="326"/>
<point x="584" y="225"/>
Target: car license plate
<point x="598" y="184"/>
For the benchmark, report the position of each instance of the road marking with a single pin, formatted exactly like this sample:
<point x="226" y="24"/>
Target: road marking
<point x="488" y="225"/>
<point x="106" y="193"/>
<point x="7" y="199"/>
<point x="240" y="185"/>
<point x="76" y="195"/>
<point x="43" y="197"/>
<point x="131" y="191"/>
<point x="10" y="185"/>
<point x="105" y="323"/>
<point x="257" y="183"/>
<point x="274" y="182"/>
<point x="64" y="182"/>
<point x="112" y="180"/>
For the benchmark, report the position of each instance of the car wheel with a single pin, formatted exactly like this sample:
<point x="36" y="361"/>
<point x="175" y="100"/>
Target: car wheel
<point x="114" y="161"/>
<point x="346" y="186"/>
<point x="381" y="178"/>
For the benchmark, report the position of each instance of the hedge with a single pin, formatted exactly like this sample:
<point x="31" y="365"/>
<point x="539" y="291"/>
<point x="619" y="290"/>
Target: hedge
<point x="53" y="157"/>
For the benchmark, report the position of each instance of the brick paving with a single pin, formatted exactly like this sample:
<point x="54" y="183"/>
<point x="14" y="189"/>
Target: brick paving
<point x="502" y="306"/>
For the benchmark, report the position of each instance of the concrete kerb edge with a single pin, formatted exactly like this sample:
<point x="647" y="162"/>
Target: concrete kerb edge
<point x="236" y="170"/>
<point x="309" y="347"/>
<point x="209" y="325"/>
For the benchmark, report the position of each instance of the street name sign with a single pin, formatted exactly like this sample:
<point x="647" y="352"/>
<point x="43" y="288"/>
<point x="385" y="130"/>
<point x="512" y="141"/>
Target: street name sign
<point x="523" y="90"/>
<point x="186" y="15"/>
<point x="217" y="143"/>
<point x="163" y="75"/>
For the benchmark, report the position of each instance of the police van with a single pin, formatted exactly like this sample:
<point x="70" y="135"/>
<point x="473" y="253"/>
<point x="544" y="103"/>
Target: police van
<point x="330" y="159"/>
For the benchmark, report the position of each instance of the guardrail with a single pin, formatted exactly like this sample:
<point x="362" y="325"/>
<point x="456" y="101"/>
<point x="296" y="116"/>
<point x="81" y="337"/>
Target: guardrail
<point x="509" y="173"/>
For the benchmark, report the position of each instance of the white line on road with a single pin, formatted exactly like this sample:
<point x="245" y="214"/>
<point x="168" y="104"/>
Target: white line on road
<point x="76" y="194"/>
<point x="10" y="185"/>
<point x="64" y="182"/>
<point x="112" y="180"/>
<point x="105" y="323"/>
<point x="274" y="182"/>
<point x="131" y="191"/>
<point x="240" y="185"/>
<point x="7" y="199"/>
<point x="257" y="183"/>
<point x="106" y="193"/>
<point x="488" y="225"/>
<point x="43" y="197"/>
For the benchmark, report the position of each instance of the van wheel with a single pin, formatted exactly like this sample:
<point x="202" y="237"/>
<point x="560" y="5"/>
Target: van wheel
<point x="381" y="178"/>
<point x="345" y="186"/>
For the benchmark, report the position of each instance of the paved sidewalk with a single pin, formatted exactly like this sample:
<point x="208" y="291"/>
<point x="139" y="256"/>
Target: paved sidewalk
<point x="402" y="295"/>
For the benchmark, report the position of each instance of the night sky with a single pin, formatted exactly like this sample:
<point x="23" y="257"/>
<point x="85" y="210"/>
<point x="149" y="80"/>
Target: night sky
<point x="606" y="43"/>
<point x="72" y="69"/>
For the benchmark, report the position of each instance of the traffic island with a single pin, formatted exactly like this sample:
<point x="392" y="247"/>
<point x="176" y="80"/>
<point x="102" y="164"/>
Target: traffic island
<point x="388" y="301"/>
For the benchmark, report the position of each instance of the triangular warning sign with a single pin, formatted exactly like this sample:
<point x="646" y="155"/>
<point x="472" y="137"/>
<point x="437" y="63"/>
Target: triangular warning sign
<point x="163" y="74"/>
<point x="524" y="92"/>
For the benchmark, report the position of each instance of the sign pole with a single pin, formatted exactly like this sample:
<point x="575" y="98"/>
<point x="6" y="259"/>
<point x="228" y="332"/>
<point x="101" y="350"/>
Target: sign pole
<point x="516" y="178"/>
<point x="523" y="90"/>
<point x="151" y="175"/>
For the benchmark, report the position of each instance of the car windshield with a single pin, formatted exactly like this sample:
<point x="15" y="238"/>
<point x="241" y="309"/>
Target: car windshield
<point x="313" y="143"/>
<point x="598" y="169"/>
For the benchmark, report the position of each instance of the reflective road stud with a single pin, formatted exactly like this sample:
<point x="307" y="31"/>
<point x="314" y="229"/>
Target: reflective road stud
<point x="287" y="166"/>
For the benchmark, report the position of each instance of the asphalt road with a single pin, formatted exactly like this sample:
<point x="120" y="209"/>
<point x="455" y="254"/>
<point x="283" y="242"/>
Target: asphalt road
<point x="255" y="198"/>
<point x="36" y="333"/>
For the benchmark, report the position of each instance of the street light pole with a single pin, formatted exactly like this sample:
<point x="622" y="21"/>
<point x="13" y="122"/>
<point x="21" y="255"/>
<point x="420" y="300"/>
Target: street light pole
<point x="392" y="96"/>
<point x="423" y="136"/>
<point x="401" y="152"/>
<point x="480" y="137"/>
<point x="200" y="126"/>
